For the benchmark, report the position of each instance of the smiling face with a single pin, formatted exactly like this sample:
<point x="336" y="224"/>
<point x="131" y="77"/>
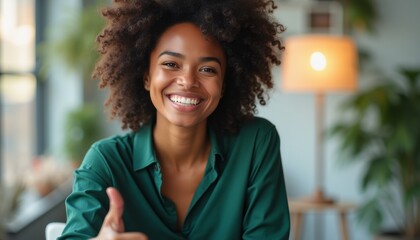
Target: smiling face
<point x="185" y="76"/>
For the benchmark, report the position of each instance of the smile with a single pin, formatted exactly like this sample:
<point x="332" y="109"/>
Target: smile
<point x="184" y="100"/>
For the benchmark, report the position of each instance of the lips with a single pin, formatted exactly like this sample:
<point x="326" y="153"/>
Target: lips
<point x="188" y="101"/>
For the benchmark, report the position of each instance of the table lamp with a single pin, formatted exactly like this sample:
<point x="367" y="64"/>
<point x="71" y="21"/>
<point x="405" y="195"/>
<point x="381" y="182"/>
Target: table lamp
<point x="319" y="64"/>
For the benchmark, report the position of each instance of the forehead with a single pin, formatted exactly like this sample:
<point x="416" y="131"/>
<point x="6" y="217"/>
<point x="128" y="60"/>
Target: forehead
<point x="189" y="38"/>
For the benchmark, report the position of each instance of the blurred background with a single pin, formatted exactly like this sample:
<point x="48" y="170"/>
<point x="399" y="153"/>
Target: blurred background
<point x="51" y="111"/>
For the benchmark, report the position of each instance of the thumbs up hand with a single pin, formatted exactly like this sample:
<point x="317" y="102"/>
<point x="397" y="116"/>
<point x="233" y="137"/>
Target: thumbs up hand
<point x="113" y="225"/>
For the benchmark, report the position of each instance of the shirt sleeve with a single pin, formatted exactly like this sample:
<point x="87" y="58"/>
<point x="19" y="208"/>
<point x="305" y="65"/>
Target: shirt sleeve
<point x="266" y="210"/>
<point x="88" y="203"/>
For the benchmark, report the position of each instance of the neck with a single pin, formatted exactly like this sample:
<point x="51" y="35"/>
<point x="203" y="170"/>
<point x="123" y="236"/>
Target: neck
<point x="180" y="147"/>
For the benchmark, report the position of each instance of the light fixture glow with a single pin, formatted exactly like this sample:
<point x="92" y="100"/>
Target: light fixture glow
<point x="305" y="69"/>
<point x="318" y="61"/>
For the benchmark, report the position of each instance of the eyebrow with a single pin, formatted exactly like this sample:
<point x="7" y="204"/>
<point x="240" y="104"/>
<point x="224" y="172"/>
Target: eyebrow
<point x="179" y="55"/>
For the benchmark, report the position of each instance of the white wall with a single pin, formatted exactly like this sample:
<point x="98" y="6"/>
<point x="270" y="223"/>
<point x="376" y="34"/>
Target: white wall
<point x="395" y="43"/>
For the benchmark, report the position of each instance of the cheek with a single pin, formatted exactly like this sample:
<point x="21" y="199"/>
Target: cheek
<point x="216" y="88"/>
<point x="159" y="79"/>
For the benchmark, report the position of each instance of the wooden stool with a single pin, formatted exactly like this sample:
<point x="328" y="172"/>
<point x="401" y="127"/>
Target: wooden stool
<point x="300" y="207"/>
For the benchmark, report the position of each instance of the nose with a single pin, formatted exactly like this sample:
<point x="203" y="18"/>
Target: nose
<point x="187" y="79"/>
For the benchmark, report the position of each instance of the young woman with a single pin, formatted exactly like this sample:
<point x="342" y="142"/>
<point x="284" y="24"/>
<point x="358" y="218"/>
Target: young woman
<point x="184" y="76"/>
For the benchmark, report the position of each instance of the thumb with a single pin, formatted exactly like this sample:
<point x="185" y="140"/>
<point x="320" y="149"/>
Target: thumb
<point x="116" y="209"/>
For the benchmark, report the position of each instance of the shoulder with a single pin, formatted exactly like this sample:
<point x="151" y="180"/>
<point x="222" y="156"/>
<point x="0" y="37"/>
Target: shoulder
<point x="109" y="153"/>
<point x="257" y="126"/>
<point x="254" y="131"/>
<point x="115" y="141"/>
<point x="259" y="122"/>
<point x="116" y="146"/>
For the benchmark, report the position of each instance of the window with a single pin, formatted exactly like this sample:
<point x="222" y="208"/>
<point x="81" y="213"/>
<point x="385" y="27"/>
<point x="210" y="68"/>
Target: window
<point x="18" y="87"/>
<point x="28" y="104"/>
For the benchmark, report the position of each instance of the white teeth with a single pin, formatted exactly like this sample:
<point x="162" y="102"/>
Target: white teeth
<point x="184" y="100"/>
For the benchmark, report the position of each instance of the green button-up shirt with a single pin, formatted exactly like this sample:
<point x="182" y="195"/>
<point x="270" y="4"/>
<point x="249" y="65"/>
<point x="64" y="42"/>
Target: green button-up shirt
<point x="241" y="196"/>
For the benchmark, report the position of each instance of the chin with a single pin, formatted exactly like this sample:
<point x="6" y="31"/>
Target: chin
<point x="186" y="123"/>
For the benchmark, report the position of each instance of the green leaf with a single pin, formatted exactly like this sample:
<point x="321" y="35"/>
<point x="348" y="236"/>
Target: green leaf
<point x="77" y="46"/>
<point x="81" y="130"/>
<point x="378" y="172"/>
<point x="361" y="14"/>
<point x="411" y="74"/>
<point x="412" y="194"/>
<point x="370" y="215"/>
<point x="401" y="140"/>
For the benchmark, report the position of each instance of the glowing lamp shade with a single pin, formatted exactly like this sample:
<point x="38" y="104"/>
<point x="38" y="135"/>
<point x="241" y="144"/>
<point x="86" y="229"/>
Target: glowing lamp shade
<point x="319" y="63"/>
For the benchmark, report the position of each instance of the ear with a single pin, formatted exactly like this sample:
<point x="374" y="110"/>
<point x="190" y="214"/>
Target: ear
<point x="146" y="81"/>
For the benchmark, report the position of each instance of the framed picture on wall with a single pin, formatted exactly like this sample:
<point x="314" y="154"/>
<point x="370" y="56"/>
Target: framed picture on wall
<point x="325" y="17"/>
<point x="305" y="17"/>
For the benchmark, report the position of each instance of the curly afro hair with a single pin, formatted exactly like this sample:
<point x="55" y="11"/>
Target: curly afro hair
<point x="245" y="29"/>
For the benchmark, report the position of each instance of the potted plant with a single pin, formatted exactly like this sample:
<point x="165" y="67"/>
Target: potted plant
<point x="383" y="131"/>
<point x="76" y="48"/>
<point x="82" y="128"/>
<point x="360" y="14"/>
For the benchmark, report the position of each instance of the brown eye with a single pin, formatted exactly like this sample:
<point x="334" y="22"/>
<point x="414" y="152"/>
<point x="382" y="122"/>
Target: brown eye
<point x="170" y="65"/>
<point x="208" y="70"/>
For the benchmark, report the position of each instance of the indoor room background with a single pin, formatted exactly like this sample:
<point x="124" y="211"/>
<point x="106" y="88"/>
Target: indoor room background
<point x="48" y="105"/>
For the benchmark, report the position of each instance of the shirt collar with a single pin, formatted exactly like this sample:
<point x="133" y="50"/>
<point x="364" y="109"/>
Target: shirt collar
<point x="144" y="152"/>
